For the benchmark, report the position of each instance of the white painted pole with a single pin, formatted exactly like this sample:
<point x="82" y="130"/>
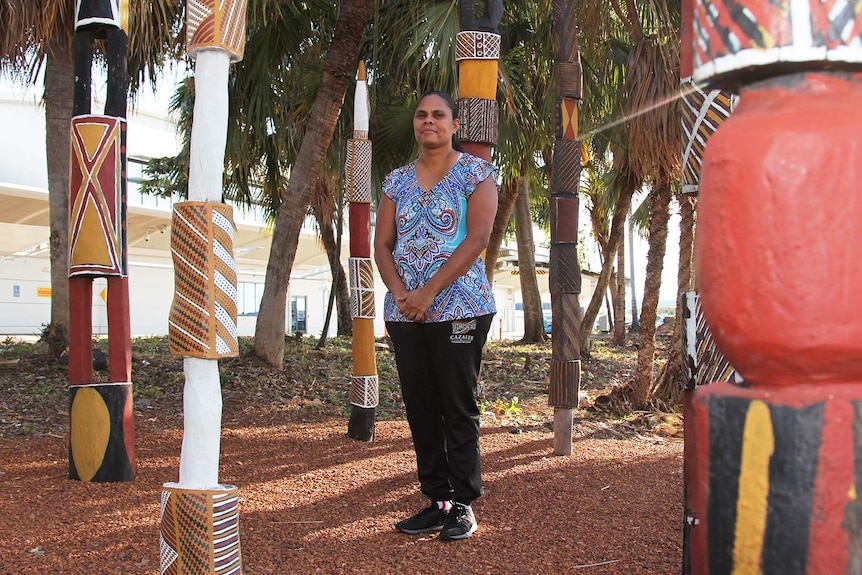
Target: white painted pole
<point x="202" y="400"/>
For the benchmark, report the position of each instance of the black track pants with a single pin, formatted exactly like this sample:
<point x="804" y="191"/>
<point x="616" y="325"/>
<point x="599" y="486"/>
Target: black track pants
<point x="438" y="364"/>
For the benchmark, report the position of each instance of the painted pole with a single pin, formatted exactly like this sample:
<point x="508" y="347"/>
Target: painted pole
<point x="199" y="516"/>
<point x="364" y="388"/>
<point x="477" y="52"/>
<point x="773" y="476"/>
<point x="704" y="109"/>
<point x="564" y="277"/>
<point x="101" y="418"/>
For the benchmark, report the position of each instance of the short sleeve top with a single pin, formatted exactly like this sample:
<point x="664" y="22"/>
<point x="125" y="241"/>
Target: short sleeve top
<point x="430" y="224"/>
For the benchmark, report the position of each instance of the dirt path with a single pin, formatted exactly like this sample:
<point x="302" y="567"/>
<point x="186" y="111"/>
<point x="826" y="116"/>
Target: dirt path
<point x="314" y="501"/>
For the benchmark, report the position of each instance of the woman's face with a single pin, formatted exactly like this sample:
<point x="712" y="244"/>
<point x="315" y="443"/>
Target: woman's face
<point x="433" y="123"/>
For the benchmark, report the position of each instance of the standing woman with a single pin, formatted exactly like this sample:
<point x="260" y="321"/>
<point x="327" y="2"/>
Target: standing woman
<point x="433" y="222"/>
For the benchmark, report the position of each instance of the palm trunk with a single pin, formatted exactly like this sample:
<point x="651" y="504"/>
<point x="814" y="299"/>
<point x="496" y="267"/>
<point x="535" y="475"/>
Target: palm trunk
<point x="339" y="296"/>
<point x="59" y="84"/>
<point x="617" y="230"/>
<point x="534" y="326"/>
<point x="670" y="384"/>
<point x="659" y="213"/>
<point x="636" y="326"/>
<point x="338" y="71"/>
<point x="507" y="195"/>
<point x="620" y="295"/>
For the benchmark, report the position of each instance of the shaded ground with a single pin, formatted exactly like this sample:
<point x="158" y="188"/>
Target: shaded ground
<point x="314" y="501"/>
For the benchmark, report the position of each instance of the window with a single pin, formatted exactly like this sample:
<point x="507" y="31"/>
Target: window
<point x="134" y="176"/>
<point x="297" y="314"/>
<point x="248" y="296"/>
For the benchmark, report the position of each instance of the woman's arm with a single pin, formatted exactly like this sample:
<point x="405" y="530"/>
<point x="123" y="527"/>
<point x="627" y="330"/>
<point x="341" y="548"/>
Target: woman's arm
<point x="481" y="211"/>
<point x="385" y="236"/>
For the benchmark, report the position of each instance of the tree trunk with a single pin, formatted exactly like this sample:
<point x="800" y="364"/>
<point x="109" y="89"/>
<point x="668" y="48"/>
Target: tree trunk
<point x="505" y="203"/>
<point x="659" y="213"/>
<point x="339" y="70"/>
<point x="59" y="85"/>
<point x="330" y="237"/>
<point x="534" y="325"/>
<point x="670" y="384"/>
<point x="617" y="230"/>
<point x="620" y="297"/>
<point x="339" y="297"/>
<point x="636" y="325"/>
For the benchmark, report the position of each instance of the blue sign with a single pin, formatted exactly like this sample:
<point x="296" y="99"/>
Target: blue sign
<point x="16" y="291"/>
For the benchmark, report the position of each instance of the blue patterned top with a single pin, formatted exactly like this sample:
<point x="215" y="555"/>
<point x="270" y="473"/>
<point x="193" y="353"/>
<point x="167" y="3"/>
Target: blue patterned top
<point x="430" y="224"/>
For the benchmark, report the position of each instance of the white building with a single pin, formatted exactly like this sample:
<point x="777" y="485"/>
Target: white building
<point x="25" y="284"/>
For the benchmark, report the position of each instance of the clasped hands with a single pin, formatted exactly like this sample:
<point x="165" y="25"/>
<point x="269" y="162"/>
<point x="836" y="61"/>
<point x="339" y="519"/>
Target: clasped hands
<point x="415" y="304"/>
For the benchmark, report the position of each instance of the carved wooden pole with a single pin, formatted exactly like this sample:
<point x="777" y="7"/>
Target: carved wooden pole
<point x="102" y="427"/>
<point x="477" y="51"/>
<point x="364" y="389"/>
<point x="564" y="278"/>
<point x="704" y="109"/>
<point x="200" y="517"/>
<point x="775" y="469"/>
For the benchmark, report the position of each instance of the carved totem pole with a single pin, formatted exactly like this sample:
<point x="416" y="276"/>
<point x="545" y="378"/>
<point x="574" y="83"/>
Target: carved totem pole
<point x="102" y="427"/>
<point x="199" y="516"/>
<point x="704" y="109"/>
<point x="565" y="274"/>
<point x="477" y="51"/>
<point x="364" y="389"/>
<point x="774" y="472"/>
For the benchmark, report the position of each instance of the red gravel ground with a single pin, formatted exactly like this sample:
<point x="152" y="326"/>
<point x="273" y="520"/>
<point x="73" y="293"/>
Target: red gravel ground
<point x="315" y="501"/>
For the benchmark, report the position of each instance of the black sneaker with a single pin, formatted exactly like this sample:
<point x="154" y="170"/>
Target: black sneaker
<point x="459" y="523"/>
<point x="429" y="519"/>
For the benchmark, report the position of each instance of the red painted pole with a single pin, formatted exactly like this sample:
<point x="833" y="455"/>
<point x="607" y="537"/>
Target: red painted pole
<point x="101" y="415"/>
<point x="773" y="475"/>
<point x="120" y="329"/>
<point x="80" y="330"/>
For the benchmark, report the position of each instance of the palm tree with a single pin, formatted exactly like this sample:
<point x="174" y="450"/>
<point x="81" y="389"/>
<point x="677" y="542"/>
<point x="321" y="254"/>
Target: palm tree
<point x="37" y="36"/>
<point x="526" y="132"/>
<point x="654" y="144"/>
<point x="649" y="33"/>
<point x="338" y="72"/>
<point x="669" y="383"/>
<point x="285" y="108"/>
<point x="605" y="56"/>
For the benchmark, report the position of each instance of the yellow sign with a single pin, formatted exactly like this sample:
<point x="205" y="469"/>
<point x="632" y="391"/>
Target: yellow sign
<point x="104" y="295"/>
<point x="43" y="292"/>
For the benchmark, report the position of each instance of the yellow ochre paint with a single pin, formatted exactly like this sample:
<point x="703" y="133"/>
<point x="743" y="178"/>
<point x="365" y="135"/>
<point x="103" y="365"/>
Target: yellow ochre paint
<point x="90" y="247"/>
<point x="90" y="431"/>
<point x="477" y="79"/>
<point x="758" y="444"/>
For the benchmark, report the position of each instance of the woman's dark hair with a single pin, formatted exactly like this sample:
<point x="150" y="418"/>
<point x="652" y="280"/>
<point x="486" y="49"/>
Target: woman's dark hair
<point x="446" y="97"/>
<point x="450" y="103"/>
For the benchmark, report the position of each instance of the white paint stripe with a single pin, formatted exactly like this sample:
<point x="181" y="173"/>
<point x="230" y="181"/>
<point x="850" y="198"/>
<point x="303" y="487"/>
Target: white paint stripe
<point x="190" y="336"/>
